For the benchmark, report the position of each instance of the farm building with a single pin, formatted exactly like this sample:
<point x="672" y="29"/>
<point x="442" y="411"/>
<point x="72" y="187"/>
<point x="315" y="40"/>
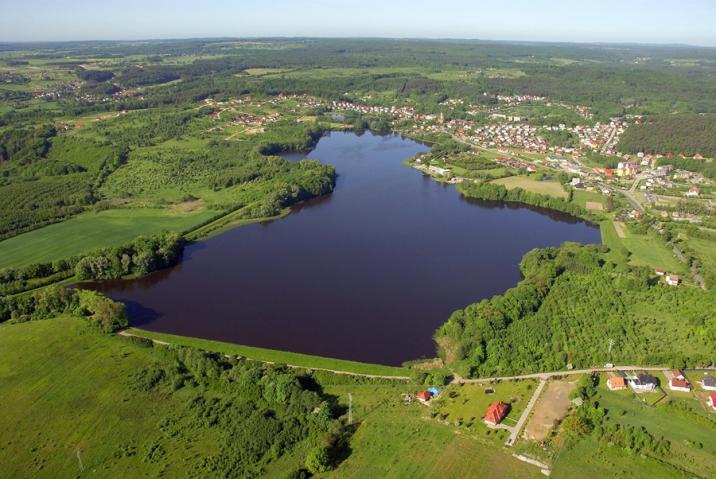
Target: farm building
<point x="496" y="413"/>
<point x="616" y="383"/>
<point x="643" y="383"/>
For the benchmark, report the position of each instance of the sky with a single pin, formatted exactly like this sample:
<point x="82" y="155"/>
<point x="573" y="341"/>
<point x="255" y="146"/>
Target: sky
<point x="634" y="21"/>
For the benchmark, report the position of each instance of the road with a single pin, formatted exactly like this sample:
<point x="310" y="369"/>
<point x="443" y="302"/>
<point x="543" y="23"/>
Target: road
<point x="514" y="434"/>
<point x="552" y="374"/>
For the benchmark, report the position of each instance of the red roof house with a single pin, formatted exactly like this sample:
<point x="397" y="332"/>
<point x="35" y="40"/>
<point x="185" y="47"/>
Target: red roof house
<point x="679" y="384"/>
<point x="424" y="396"/>
<point x="712" y="401"/>
<point x="496" y="413"/>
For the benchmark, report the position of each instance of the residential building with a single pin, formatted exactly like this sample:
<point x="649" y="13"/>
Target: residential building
<point x="643" y="383"/>
<point x="709" y="383"/>
<point x="496" y="413"/>
<point x="616" y="383"/>
<point x="712" y="401"/>
<point x="424" y="396"/>
<point x="672" y="280"/>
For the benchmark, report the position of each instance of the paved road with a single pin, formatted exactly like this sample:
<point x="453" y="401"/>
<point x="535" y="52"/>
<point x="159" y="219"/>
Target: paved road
<point x="525" y="414"/>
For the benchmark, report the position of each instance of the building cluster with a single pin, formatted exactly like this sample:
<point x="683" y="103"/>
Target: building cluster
<point x="602" y="137"/>
<point x="508" y="135"/>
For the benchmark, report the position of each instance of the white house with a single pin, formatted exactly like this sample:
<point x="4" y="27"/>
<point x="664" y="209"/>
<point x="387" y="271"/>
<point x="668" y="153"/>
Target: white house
<point x="709" y="383"/>
<point x="672" y="280"/>
<point x="643" y="383"/>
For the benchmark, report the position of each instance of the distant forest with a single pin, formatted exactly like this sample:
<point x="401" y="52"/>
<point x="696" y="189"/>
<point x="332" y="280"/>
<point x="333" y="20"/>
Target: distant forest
<point x="686" y="134"/>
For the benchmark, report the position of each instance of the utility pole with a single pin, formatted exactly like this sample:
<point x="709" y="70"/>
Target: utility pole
<point x="350" y="409"/>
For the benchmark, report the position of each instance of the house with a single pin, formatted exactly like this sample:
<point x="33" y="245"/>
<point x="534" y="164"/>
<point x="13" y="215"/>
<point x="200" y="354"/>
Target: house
<point x="433" y="390"/>
<point x="693" y="192"/>
<point x="679" y="382"/>
<point x="616" y="383"/>
<point x="712" y="401"/>
<point x="672" y="280"/>
<point x="709" y="383"/>
<point x="643" y="383"/>
<point x="424" y="396"/>
<point x="496" y="413"/>
<point x="659" y="272"/>
<point x="438" y="170"/>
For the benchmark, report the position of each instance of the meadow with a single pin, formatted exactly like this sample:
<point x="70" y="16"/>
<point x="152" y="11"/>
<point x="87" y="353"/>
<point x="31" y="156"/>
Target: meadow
<point x="551" y="188"/>
<point x="93" y="230"/>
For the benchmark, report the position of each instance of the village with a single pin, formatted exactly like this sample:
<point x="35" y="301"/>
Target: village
<point x="530" y="408"/>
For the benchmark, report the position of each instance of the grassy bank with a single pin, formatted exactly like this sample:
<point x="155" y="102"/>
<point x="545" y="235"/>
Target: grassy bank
<point x="271" y="355"/>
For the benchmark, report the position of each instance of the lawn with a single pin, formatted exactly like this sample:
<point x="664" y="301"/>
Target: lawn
<point x="272" y="355"/>
<point x="582" y="197"/>
<point x="90" y="231"/>
<point x="550" y="188"/>
<point x="395" y="440"/>
<point x="465" y="405"/>
<point x="67" y="398"/>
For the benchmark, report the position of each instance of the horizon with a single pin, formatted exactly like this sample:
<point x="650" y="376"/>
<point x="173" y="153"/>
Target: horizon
<point x="639" y="22"/>
<point x="388" y="38"/>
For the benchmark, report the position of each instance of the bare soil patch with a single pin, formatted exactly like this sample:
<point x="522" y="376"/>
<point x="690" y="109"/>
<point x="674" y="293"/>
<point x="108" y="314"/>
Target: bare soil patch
<point x="551" y="408"/>
<point x="593" y="205"/>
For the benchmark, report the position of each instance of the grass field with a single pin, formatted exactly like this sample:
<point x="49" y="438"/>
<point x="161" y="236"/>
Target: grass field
<point x="283" y="357"/>
<point x="581" y="198"/>
<point x="91" y="231"/>
<point x="646" y="250"/>
<point x="65" y="389"/>
<point x="395" y="440"/>
<point x="551" y="188"/>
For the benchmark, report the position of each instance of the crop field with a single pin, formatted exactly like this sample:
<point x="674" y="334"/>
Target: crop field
<point x="551" y="188"/>
<point x="90" y="231"/>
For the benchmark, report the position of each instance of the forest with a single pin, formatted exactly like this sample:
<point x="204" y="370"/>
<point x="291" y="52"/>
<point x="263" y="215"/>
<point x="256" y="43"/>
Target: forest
<point x="676" y="134"/>
<point x="547" y="322"/>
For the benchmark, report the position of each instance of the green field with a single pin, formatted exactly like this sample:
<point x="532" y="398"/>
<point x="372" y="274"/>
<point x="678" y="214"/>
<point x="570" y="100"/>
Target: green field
<point x="468" y="403"/>
<point x="271" y="355"/>
<point x="646" y="250"/>
<point x="551" y="188"/>
<point x="91" y="231"/>
<point x="581" y="198"/>
<point x="396" y="440"/>
<point x="65" y="389"/>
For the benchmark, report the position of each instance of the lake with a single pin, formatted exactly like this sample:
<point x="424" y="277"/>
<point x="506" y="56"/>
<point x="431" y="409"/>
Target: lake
<point x="367" y="273"/>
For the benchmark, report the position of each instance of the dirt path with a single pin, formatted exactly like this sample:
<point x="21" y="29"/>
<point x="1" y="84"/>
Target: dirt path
<point x="619" y="228"/>
<point x="525" y="414"/>
<point x="293" y="366"/>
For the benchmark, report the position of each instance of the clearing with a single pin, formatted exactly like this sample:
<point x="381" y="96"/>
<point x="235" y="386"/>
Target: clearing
<point x="548" y="187"/>
<point x="551" y="408"/>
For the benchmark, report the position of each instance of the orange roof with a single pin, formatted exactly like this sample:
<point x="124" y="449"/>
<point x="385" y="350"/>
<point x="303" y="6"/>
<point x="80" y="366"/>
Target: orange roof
<point x="617" y="382"/>
<point x="496" y="412"/>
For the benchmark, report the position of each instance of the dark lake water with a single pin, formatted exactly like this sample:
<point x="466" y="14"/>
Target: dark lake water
<point x="367" y="273"/>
